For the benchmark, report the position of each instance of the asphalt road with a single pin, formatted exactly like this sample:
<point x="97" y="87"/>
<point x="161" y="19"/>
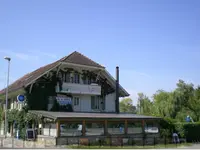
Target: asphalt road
<point x="194" y="146"/>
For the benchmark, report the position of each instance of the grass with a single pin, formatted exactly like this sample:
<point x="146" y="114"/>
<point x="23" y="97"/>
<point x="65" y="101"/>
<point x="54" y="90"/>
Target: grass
<point x="131" y="147"/>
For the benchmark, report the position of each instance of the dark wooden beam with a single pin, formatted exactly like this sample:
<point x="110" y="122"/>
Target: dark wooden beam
<point x="126" y="127"/>
<point x="105" y="127"/>
<point x="83" y="128"/>
<point x="58" y="128"/>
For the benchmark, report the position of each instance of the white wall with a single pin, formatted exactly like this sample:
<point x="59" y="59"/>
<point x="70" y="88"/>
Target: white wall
<point x="85" y="103"/>
<point x="110" y="102"/>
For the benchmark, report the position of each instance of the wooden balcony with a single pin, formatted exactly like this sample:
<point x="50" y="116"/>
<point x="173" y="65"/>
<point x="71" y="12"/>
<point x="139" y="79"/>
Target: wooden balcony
<point x="92" y="89"/>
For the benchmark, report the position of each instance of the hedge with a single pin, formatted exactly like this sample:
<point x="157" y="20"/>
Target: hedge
<point x="190" y="131"/>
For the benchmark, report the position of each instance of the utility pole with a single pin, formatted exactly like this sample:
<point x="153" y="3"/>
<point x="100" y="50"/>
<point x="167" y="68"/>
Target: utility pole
<point x="6" y="120"/>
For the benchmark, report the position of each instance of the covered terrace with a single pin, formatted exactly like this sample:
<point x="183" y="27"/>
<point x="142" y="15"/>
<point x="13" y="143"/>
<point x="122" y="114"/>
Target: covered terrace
<point x="71" y="124"/>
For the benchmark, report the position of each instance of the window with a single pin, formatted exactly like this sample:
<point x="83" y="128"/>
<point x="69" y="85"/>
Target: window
<point x="151" y="128"/>
<point x="76" y="101"/>
<point x="97" y="103"/>
<point x="71" y="79"/>
<point x="134" y="127"/>
<point x="93" y="102"/>
<point x="71" y="129"/>
<point x="116" y="127"/>
<point x="76" y="78"/>
<point x="85" y="81"/>
<point x="89" y="80"/>
<point x="94" y="128"/>
<point x="66" y="77"/>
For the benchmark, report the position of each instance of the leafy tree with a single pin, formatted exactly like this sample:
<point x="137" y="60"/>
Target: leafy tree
<point x="144" y="104"/>
<point x="184" y="100"/>
<point x="126" y="105"/>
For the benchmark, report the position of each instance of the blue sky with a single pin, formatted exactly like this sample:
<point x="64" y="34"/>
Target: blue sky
<point x="154" y="42"/>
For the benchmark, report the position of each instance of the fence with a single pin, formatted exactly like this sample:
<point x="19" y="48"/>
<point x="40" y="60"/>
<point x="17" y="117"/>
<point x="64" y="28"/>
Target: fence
<point x="107" y="142"/>
<point x="81" y="142"/>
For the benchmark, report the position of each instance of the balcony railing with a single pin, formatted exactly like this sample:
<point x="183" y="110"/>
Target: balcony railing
<point x="92" y="89"/>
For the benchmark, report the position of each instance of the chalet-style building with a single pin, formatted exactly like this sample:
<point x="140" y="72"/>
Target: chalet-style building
<point x="80" y="97"/>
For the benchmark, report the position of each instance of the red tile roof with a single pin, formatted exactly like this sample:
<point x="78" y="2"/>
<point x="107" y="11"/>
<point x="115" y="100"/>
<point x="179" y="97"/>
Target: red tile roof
<point x="75" y="57"/>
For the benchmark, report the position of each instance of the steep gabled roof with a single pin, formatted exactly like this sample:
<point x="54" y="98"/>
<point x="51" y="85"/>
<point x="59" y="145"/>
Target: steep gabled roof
<point x="78" y="58"/>
<point x="21" y="82"/>
<point x="75" y="58"/>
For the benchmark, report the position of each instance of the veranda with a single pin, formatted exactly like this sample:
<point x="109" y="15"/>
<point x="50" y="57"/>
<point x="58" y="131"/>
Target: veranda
<point x="72" y="125"/>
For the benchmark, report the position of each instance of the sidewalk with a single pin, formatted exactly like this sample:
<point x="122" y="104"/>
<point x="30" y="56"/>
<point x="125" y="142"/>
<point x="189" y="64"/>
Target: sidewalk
<point x="15" y="143"/>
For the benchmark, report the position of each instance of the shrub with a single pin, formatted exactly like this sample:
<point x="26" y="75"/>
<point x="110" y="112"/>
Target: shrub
<point x="190" y="131"/>
<point x="167" y="126"/>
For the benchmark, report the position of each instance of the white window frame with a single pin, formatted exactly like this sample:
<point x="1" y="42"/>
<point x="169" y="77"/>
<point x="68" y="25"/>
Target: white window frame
<point x="76" y="101"/>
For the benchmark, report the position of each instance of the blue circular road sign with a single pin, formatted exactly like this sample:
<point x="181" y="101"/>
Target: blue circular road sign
<point x="21" y="98"/>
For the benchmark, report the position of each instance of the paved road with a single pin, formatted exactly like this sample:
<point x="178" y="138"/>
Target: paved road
<point x="194" y="146"/>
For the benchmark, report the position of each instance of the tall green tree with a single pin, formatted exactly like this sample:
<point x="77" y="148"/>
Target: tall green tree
<point x="145" y="105"/>
<point x="177" y="104"/>
<point x="126" y="106"/>
<point x="162" y="103"/>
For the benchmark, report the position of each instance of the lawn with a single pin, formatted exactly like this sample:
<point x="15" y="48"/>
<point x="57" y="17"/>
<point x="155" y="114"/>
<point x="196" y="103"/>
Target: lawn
<point x="130" y="147"/>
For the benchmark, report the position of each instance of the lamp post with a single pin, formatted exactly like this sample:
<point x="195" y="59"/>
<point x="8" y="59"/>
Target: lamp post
<point x="6" y="124"/>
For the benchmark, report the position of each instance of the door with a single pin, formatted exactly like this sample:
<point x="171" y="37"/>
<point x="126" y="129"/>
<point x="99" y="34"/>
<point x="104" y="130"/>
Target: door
<point x="76" y="104"/>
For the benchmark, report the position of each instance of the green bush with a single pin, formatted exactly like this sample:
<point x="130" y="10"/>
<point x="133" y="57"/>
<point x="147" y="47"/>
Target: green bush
<point x="190" y="131"/>
<point x="167" y="126"/>
<point x="180" y="129"/>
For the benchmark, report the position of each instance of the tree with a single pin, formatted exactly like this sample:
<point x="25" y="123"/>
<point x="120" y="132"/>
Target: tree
<point x="162" y="103"/>
<point x="194" y="104"/>
<point x="184" y="100"/>
<point x="144" y="104"/>
<point x="126" y="105"/>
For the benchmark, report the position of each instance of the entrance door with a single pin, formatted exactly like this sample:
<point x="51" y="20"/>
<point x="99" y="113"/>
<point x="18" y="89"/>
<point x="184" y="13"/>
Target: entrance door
<point x="76" y="104"/>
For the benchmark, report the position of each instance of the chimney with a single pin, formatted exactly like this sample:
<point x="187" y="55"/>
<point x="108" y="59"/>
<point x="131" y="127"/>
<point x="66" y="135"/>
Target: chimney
<point x="117" y="91"/>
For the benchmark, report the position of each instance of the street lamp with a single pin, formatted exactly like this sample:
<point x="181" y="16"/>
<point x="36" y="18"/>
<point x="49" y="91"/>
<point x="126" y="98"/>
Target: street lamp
<point x="6" y="124"/>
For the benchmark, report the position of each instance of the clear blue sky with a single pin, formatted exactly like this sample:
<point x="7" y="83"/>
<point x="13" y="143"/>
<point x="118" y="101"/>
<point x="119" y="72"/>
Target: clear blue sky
<point x="154" y="42"/>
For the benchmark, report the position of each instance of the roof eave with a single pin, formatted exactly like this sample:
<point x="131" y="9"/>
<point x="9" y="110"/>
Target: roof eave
<point x="125" y="93"/>
<point x="86" y="66"/>
<point x="56" y="65"/>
